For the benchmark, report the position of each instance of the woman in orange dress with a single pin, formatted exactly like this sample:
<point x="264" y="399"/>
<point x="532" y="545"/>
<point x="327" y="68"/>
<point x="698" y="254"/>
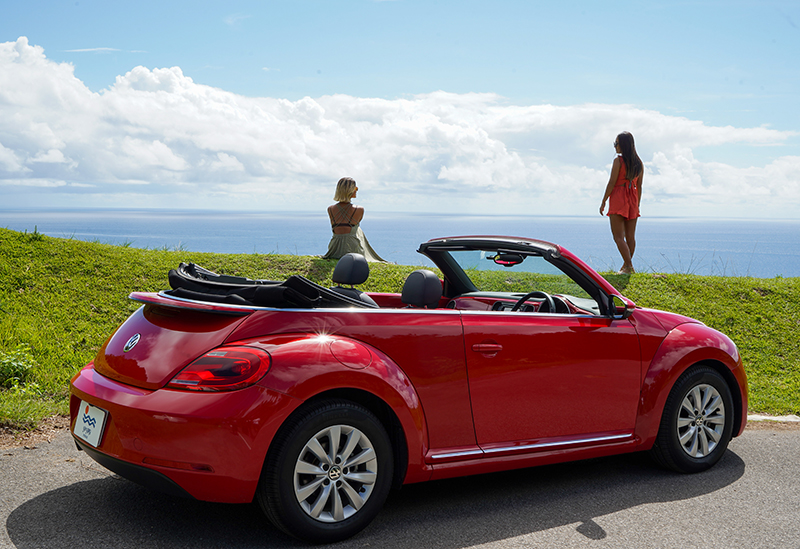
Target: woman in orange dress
<point x="624" y="194"/>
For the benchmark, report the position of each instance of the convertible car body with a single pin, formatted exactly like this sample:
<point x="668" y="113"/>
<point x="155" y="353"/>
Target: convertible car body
<point x="316" y="401"/>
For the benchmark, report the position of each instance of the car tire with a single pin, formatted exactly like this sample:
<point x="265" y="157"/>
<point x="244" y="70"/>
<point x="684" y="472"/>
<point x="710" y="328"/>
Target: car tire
<point x="697" y="422"/>
<point x="328" y="472"/>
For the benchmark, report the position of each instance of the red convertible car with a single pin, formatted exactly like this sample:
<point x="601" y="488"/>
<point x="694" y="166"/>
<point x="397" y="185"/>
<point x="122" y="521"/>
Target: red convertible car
<point x="317" y="401"/>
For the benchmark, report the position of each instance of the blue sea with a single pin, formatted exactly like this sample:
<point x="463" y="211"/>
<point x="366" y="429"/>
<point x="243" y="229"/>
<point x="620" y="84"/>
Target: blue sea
<point x="757" y="248"/>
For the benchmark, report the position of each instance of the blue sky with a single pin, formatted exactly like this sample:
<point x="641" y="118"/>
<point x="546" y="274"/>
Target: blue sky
<point x="458" y="101"/>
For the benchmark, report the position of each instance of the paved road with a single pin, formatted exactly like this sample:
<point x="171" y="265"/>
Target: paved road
<point x="54" y="496"/>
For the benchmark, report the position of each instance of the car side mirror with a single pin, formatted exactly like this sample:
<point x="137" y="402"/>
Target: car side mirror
<point x="620" y="308"/>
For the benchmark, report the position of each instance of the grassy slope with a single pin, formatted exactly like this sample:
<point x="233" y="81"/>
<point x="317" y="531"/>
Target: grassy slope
<point x="64" y="297"/>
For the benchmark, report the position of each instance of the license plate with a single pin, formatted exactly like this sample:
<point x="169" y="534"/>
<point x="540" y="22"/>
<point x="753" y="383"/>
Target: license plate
<point x="90" y="423"/>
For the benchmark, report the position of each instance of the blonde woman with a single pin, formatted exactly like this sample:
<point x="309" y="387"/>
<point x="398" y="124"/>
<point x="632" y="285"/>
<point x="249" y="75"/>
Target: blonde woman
<point x="345" y="218"/>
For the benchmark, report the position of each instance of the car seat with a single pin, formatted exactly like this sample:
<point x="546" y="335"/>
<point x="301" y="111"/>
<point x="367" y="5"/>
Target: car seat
<point x="422" y="289"/>
<point x="351" y="269"/>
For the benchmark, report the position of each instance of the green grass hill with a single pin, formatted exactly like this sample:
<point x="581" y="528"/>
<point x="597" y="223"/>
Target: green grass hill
<point x="61" y="298"/>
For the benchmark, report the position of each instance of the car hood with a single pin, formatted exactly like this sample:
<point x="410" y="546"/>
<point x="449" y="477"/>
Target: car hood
<point x="670" y="320"/>
<point x="156" y="342"/>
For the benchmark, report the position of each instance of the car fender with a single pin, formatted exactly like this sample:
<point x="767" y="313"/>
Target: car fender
<point x="305" y="366"/>
<point x="685" y="345"/>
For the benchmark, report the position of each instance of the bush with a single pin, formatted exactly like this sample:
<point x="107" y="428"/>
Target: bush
<point x="16" y="366"/>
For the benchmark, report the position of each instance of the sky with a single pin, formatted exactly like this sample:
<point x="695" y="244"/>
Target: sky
<point x="432" y="106"/>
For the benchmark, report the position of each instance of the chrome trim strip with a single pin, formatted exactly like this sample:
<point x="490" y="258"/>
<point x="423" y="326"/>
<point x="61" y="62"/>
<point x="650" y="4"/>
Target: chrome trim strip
<point x="245" y="309"/>
<point x="465" y="453"/>
<point x="539" y="315"/>
<point x="540" y="445"/>
<point x="537" y="446"/>
<point x="248" y="308"/>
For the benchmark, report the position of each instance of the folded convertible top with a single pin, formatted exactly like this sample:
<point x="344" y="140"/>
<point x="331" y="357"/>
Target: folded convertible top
<point x="190" y="281"/>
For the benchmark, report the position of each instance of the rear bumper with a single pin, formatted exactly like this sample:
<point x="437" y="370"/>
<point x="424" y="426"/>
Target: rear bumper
<point x="136" y="473"/>
<point x="208" y="446"/>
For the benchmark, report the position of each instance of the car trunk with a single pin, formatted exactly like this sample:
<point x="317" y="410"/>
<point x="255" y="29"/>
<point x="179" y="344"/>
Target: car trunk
<point x="163" y="337"/>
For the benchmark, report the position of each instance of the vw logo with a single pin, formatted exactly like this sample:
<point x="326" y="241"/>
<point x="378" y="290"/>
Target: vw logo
<point x="335" y="473"/>
<point x="132" y="343"/>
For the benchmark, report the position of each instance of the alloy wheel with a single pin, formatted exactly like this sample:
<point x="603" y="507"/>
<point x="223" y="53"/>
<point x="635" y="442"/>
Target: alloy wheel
<point x="701" y="420"/>
<point x="335" y="473"/>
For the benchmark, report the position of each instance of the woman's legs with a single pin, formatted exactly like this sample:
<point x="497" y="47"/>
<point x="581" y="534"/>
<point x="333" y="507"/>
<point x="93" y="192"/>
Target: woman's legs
<point x="624" y="233"/>
<point x="630" y="234"/>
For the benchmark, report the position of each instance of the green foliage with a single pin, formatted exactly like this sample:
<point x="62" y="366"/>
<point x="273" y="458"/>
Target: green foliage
<point x="761" y="315"/>
<point x="35" y="236"/>
<point x="61" y="298"/>
<point x="15" y="366"/>
<point x="24" y="411"/>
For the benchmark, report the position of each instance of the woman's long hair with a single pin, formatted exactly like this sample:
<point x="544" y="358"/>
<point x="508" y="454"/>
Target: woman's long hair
<point x="633" y="164"/>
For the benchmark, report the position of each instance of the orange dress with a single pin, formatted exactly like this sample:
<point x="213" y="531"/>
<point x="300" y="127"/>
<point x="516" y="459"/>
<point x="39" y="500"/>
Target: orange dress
<point x="624" y="199"/>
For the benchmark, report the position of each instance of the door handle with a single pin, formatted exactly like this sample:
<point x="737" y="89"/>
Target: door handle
<point x="487" y="347"/>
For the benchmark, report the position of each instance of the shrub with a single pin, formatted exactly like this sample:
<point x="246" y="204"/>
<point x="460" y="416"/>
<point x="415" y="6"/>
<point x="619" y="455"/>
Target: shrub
<point x="16" y="366"/>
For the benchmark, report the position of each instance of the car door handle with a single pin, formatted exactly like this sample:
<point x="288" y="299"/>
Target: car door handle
<point x="487" y="347"/>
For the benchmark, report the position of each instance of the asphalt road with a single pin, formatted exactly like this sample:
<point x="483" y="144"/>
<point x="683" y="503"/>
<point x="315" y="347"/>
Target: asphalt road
<point x="54" y="496"/>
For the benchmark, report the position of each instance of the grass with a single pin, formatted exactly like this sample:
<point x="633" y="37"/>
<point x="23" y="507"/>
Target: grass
<point x="61" y="298"/>
<point x="761" y="315"/>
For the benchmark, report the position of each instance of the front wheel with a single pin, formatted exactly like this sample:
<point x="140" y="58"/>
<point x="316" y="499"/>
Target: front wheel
<point x="328" y="473"/>
<point x="697" y="422"/>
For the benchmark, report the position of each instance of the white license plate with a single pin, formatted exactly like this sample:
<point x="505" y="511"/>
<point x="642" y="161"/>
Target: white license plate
<point x="90" y="423"/>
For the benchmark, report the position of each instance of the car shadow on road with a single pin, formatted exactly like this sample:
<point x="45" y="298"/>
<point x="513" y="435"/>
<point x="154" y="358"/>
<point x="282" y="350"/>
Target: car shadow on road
<point x="451" y="513"/>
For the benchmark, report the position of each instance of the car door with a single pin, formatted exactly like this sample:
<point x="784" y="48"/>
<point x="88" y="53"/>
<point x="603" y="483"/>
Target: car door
<point x="535" y="377"/>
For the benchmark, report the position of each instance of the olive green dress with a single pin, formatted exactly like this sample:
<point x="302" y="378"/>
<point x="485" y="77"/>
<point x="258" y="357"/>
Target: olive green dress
<point x="355" y="241"/>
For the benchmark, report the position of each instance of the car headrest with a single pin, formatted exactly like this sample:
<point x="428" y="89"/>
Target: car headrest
<point x="351" y="269"/>
<point x="422" y="289"/>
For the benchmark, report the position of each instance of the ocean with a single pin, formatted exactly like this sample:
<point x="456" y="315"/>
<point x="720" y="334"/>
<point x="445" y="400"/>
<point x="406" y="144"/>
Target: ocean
<point x="717" y="247"/>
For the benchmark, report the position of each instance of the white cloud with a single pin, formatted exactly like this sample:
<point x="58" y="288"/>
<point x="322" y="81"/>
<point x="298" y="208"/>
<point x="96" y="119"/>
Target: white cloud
<point x="9" y="161"/>
<point x="235" y="18"/>
<point x="53" y="156"/>
<point x="156" y="137"/>
<point x="32" y="182"/>
<point x="93" y="50"/>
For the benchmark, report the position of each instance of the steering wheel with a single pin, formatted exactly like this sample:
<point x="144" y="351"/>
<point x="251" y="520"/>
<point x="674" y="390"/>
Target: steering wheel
<point x="529" y="295"/>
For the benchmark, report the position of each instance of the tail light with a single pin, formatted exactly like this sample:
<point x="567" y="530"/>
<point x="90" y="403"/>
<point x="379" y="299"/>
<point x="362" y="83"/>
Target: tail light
<point x="223" y="369"/>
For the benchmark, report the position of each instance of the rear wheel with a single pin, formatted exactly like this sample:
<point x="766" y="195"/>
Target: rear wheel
<point x="697" y="422"/>
<point x="328" y="473"/>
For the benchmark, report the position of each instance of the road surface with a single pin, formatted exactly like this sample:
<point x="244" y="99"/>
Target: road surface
<point x="53" y="496"/>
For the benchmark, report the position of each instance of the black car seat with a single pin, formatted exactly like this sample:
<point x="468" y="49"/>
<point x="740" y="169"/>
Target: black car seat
<point x="422" y="289"/>
<point x="352" y="269"/>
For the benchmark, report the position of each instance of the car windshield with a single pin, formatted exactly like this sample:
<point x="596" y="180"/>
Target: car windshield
<point x="492" y="271"/>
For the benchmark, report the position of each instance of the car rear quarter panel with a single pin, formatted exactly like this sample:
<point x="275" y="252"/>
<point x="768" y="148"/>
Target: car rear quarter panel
<point x="684" y="346"/>
<point x="306" y="366"/>
<point x="229" y="431"/>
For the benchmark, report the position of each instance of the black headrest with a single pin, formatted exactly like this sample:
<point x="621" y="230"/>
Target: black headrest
<point x="351" y="269"/>
<point x="422" y="289"/>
